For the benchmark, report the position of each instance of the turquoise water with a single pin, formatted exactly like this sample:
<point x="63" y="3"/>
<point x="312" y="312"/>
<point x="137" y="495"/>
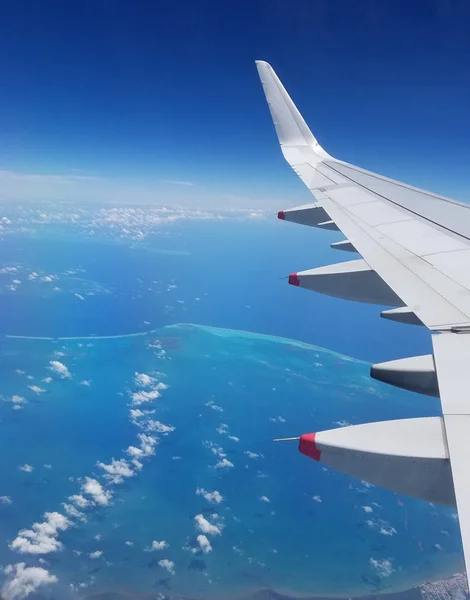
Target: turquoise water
<point x="284" y="521"/>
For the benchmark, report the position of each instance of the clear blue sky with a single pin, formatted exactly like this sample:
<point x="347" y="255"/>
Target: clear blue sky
<point x="140" y="93"/>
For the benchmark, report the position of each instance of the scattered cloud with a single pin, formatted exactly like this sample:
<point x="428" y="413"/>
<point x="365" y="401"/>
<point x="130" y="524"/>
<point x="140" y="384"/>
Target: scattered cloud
<point x="383" y="568"/>
<point x="147" y="444"/>
<point x="129" y="543"/>
<point x="367" y="509"/>
<point x="117" y="470"/>
<point x="72" y="511"/>
<point x="265" y="499"/>
<point x="47" y="379"/>
<point x="234" y="438"/>
<point x="36" y="389"/>
<point x="224" y="464"/>
<point x="390" y="531"/>
<point x="142" y="396"/>
<point x="214" y="406"/>
<point x="382" y="527"/>
<point x="169" y="565"/>
<point x="143" y="380"/>
<point x="6" y="500"/>
<point x="93" y="488"/>
<point x="59" y="368"/>
<point x="86" y="382"/>
<point x="96" y="554"/>
<point x="253" y="455"/>
<point x="317" y="499"/>
<point x="136" y="413"/>
<point x="18" y="400"/>
<point x="277" y="419"/>
<point x="23" y="580"/>
<point x="158" y="545"/>
<point x="42" y="537"/>
<point x="80" y="500"/>
<point x="176" y="182"/>
<point x="158" y="427"/>
<point x="213" y="497"/>
<point x="26" y="468"/>
<point x="79" y="296"/>
<point x="204" y="543"/>
<point x="206" y="526"/>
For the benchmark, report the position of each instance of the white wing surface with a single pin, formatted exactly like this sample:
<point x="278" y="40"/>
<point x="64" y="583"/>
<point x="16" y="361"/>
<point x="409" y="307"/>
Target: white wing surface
<point x="415" y="257"/>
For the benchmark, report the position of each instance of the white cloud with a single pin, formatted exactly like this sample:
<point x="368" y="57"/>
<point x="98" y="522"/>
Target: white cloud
<point x="96" y="554"/>
<point x="117" y="470"/>
<point x="204" y="544"/>
<point x="317" y="499"/>
<point x="382" y="527"/>
<point x="169" y="565"/>
<point x="390" y="531"/>
<point x="277" y="419"/>
<point x="143" y="380"/>
<point x="142" y="396"/>
<point x="80" y="500"/>
<point x="367" y="509"/>
<point x="79" y="296"/>
<point x="36" y="389"/>
<point x="26" y="468"/>
<point x="47" y="379"/>
<point x="158" y="545"/>
<point x="342" y="423"/>
<point x="23" y="580"/>
<point x="176" y="182"/>
<point x="5" y="500"/>
<point x="94" y="489"/>
<point x="129" y="543"/>
<point x="72" y="511"/>
<point x="224" y="464"/>
<point x="205" y="526"/>
<point x="265" y="499"/>
<point x="384" y="568"/>
<point x="47" y="466"/>
<point x="215" y="449"/>
<point x="158" y="427"/>
<point x="211" y="404"/>
<point x="213" y="497"/>
<point x="136" y="413"/>
<point x="147" y="444"/>
<point x="234" y="438"/>
<point x="253" y="455"/>
<point x="86" y="382"/>
<point x="42" y="537"/>
<point x="134" y="451"/>
<point x="18" y="400"/>
<point x="59" y="368"/>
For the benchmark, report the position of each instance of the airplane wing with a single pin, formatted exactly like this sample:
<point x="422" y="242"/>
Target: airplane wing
<point x="415" y="249"/>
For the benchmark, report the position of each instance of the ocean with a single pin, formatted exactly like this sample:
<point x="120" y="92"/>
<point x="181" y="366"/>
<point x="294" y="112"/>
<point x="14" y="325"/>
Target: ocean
<point x="225" y="357"/>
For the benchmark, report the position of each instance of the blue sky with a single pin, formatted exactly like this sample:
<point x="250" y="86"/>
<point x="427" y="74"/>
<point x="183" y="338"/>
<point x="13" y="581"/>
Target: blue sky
<point x="116" y="99"/>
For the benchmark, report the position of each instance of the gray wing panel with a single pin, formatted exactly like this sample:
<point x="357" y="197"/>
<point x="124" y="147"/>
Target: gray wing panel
<point x="452" y="360"/>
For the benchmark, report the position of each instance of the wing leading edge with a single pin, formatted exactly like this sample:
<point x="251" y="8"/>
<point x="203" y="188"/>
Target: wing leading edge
<point x="415" y="249"/>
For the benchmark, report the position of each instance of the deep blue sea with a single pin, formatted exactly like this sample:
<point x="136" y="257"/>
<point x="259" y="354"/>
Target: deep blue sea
<point x="145" y="429"/>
